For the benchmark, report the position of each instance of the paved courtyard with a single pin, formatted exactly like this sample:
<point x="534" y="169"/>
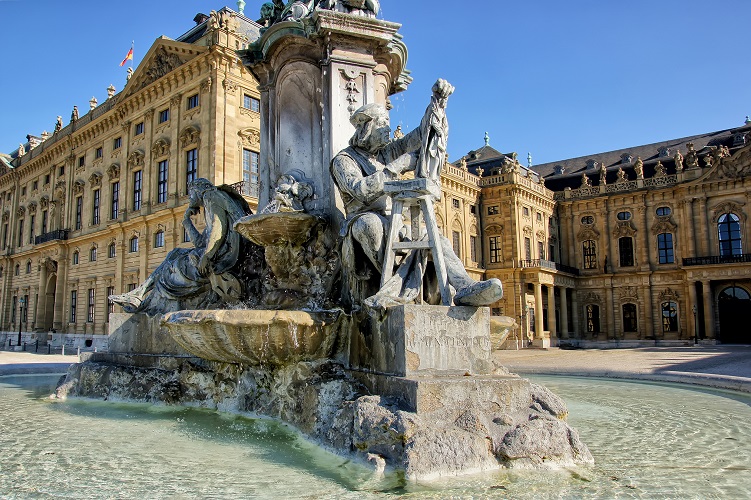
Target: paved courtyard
<point x="716" y="366"/>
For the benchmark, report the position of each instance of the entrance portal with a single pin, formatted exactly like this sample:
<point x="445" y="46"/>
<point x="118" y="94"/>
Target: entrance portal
<point x="734" y="303"/>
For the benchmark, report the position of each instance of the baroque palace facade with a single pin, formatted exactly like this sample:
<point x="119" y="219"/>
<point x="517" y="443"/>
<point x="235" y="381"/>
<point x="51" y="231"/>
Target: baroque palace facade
<point x="639" y="246"/>
<point x="91" y="209"/>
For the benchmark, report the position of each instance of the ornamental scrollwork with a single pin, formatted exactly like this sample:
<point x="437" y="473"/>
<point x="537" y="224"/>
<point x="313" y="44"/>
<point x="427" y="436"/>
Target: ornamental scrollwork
<point x="191" y="135"/>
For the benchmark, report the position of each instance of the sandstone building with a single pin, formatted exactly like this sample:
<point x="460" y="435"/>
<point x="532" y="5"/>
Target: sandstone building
<point x="92" y="208"/>
<point x="628" y="247"/>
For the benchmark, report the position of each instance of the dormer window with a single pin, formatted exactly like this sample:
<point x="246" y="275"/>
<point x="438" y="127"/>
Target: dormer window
<point x="663" y="152"/>
<point x="559" y="169"/>
<point x="739" y="140"/>
<point x="626" y="158"/>
<point x="591" y="164"/>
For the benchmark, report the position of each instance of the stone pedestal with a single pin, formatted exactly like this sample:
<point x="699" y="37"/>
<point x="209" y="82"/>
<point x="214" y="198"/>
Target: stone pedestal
<point x="413" y="339"/>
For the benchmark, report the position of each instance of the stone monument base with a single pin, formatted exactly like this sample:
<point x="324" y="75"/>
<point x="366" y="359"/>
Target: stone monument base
<point x="429" y="403"/>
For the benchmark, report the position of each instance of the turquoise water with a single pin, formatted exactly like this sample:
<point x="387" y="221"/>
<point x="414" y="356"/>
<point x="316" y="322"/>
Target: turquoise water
<point x="648" y="440"/>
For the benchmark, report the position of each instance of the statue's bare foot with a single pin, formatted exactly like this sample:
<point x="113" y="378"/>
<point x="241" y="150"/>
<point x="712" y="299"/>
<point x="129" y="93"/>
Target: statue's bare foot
<point x="128" y="301"/>
<point x="482" y="293"/>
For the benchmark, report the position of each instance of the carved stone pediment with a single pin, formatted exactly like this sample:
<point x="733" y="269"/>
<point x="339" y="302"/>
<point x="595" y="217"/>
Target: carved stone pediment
<point x="32" y="207"/>
<point x="626" y="293"/>
<point x="6" y="216"/>
<point x="494" y="229"/>
<point x="624" y="228"/>
<point x="527" y="230"/>
<point x="588" y="233"/>
<point x="162" y="63"/>
<point x="160" y="148"/>
<point x="728" y="207"/>
<point x="59" y="190"/>
<point x="250" y="137"/>
<point x="79" y="186"/>
<point x="21" y="211"/>
<point x="136" y="159"/>
<point x="43" y="202"/>
<point x="591" y="297"/>
<point x="668" y="294"/>
<point x="95" y="179"/>
<point x="113" y="172"/>
<point x="540" y="235"/>
<point x="190" y="136"/>
<point x="664" y="225"/>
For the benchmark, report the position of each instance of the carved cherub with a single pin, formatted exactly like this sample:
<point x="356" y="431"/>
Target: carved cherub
<point x="586" y="182"/>
<point x="639" y="168"/>
<point x="678" y="158"/>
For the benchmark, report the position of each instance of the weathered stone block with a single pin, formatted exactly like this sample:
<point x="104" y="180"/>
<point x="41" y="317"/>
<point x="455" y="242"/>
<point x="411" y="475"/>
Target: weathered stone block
<point x="418" y="338"/>
<point x="141" y="334"/>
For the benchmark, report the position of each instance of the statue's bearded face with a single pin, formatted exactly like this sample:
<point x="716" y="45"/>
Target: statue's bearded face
<point x="380" y="132"/>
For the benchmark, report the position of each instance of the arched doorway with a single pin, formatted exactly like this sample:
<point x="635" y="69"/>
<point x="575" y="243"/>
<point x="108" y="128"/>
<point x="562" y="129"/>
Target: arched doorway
<point x="49" y="302"/>
<point x="734" y="303"/>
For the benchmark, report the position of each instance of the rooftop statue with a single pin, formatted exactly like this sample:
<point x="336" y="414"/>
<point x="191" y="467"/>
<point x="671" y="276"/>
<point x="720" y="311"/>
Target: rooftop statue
<point x="361" y="171"/>
<point x="295" y="10"/>
<point x="207" y="275"/>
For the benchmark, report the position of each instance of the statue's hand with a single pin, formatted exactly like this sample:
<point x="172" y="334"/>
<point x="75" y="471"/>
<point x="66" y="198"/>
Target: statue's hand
<point x="442" y="90"/>
<point x="203" y="266"/>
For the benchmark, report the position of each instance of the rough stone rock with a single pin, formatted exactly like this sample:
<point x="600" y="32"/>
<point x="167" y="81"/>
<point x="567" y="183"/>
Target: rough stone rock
<point x="548" y="401"/>
<point x="542" y="440"/>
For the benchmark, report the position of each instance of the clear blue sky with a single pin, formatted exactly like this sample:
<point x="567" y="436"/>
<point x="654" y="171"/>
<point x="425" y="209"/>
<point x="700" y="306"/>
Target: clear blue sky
<point x="556" y="78"/>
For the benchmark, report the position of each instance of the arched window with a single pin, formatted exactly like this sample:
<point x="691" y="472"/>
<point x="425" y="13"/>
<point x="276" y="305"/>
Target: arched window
<point x="134" y="244"/>
<point x="75" y="257"/>
<point x="28" y="267"/>
<point x="92" y="254"/>
<point x="665" y="248"/>
<point x="626" y="251"/>
<point x="111" y="252"/>
<point x="629" y="318"/>
<point x="589" y="252"/>
<point x="593" y="318"/>
<point x="663" y="211"/>
<point x="18" y="269"/>
<point x="669" y="317"/>
<point x="729" y="228"/>
<point x="159" y="239"/>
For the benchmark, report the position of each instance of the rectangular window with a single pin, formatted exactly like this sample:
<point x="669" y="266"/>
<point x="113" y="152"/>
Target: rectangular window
<point x="111" y="252"/>
<point x="46" y="179"/>
<point x="61" y="170"/>
<point x="5" y="235"/>
<point x="90" y="314"/>
<point x="137" y="189"/>
<point x="20" y="233"/>
<point x="493" y="210"/>
<point x="473" y="209"/>
<point x="31" y="229"/>
<point x="473" y="248"/>
<point x="589" y="253"/>
<point x="73" y="301"/>
<point x="541" y="249"/>
<point x="131" y="287"/>
<point x="95" y="207"/>
<point x="98" y="153"/>
<point x="456" y="243"/>
<point x="79" y="212"/>
<point x="161" y="195"/>
<point x="13" y="311"/>
<point x="81" y="161"/>
<point x="34" y="185"/>
<point x="117" y="143"/>
<point x="665" y="248"/>
<point x="193" y="101"/>
<point x="626" y="251"/>
<point x="455" y="203"/>
<point x="45" y="221"/>
<point x="494" y="246"/>
<point x="629" y="318"/>
<point x="551" y="252"/>
<point x="250" y="166"/>
<point x="527" y="249"/>
<point x="134" y="244"/>
<point x="159" y="239"/>
<point x="251" y="103"/>
<point x="139" y="128"/>
<point x="164" y="115"/>
<point x="115" y="200"/>
<point x="110" y="304"/>
<point x="191" y="167"/>
<point x="525" y="211"/>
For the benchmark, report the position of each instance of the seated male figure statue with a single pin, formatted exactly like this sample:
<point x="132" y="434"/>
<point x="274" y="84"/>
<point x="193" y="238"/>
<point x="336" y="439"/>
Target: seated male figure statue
<point x="360" y="172"/>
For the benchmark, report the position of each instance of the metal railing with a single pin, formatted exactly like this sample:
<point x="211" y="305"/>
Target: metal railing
<point x="717" y="259"/>
<point x="548" y="264"/>
<point x="246" y="188"/>
<point x="58" y="234"/>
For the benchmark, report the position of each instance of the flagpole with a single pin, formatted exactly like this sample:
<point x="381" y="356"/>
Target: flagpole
<point x="132" y="46"/>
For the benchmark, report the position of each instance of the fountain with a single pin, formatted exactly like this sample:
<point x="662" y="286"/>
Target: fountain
<point x="326" y="310"/>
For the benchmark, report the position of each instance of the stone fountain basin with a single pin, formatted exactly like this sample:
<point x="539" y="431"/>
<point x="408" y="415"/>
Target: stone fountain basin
<point x="257" y="337"/>
<point x="277" y="228"/>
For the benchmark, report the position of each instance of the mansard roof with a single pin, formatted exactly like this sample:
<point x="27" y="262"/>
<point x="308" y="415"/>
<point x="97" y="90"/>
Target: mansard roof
<point x="568" y="173"/>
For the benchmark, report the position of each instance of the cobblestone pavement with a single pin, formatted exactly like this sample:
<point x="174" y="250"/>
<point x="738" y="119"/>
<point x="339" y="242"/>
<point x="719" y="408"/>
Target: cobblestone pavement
<point x="726" y="367"/>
